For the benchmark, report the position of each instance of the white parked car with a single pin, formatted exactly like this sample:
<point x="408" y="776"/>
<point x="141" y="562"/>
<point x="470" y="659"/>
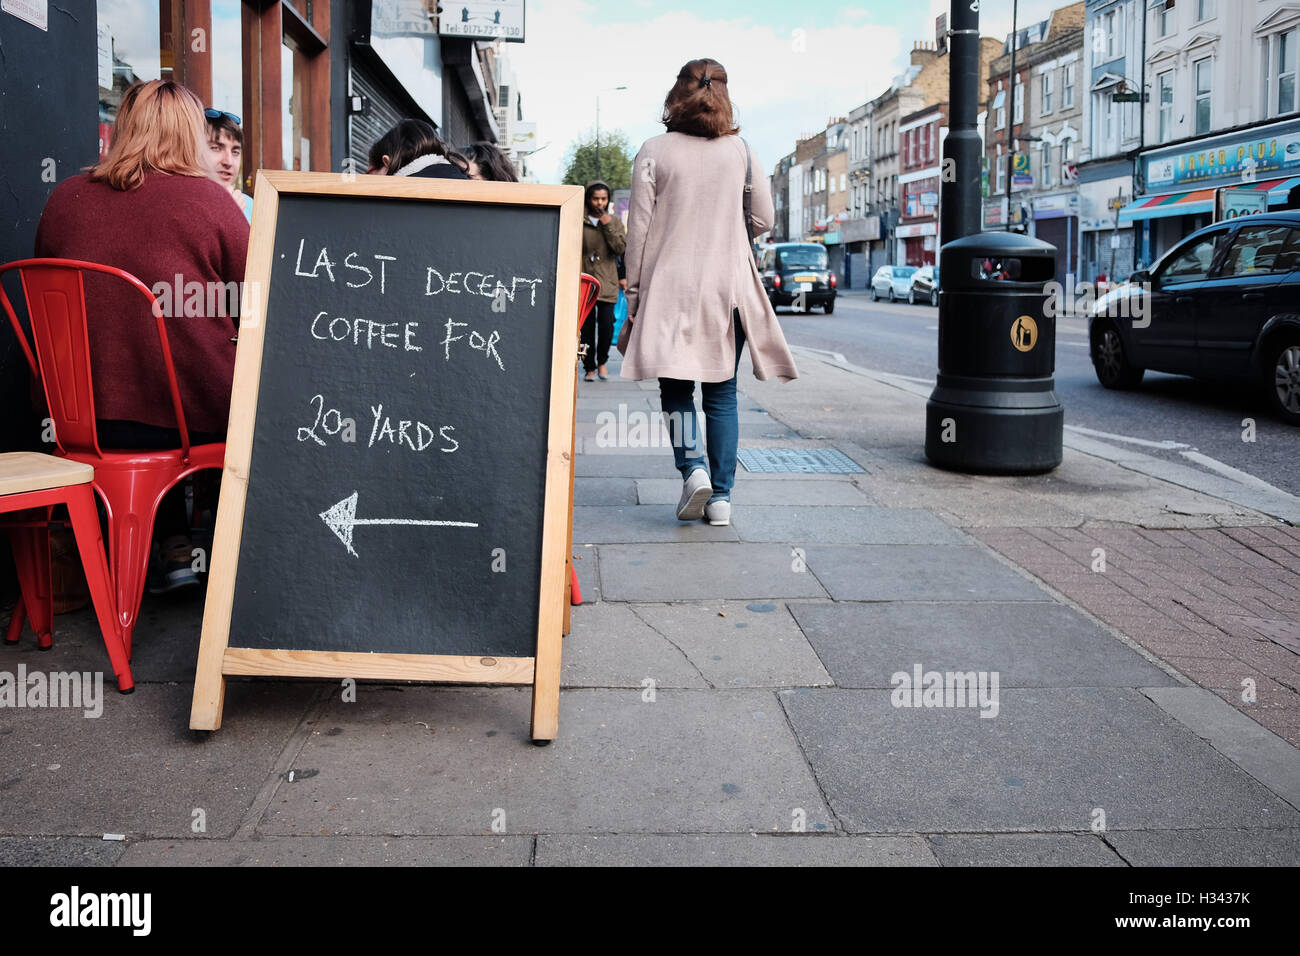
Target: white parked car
<point x="891" y="282"/>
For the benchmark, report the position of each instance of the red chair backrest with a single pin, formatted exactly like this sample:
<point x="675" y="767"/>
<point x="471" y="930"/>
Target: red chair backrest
<point x="588" y="289"/>
<point x="56" y="305"/>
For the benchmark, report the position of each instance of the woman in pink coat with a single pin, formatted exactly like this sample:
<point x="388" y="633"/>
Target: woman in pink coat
<point x="694" y="295"/>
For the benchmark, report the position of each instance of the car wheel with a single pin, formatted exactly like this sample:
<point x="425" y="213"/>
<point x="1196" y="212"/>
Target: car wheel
<point x="934" y="298"/>
<point x="874" y="296"/>
<point x="1110" y="362"/>
<point x="829" y="307"/>
<point x="911" y="297"/>
<point x="892" y="297"/>
<point x="1283" y="379"/>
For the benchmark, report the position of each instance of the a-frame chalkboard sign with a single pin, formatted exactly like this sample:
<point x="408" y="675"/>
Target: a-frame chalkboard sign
<point x="394" y="504"/>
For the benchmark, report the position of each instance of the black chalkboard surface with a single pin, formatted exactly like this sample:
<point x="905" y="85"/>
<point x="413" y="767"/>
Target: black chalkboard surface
<point x="402" y="454"/>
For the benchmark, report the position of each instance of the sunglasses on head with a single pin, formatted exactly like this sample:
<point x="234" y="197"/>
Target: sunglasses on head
<point x="212" y="114"/>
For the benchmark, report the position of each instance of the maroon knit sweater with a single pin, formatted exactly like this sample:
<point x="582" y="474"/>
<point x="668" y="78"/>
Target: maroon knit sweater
<point x="166" y="226"/>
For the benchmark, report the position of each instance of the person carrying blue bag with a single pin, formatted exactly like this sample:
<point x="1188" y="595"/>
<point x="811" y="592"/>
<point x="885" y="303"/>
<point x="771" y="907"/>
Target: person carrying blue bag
<point x="620" y="307"/>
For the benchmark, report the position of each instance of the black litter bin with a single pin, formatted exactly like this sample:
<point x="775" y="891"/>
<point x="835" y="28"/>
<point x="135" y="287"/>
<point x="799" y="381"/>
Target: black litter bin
<point x="994" y="408"/>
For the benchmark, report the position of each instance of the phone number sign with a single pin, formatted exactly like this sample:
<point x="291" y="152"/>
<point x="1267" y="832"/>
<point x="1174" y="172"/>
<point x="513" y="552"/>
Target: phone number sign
<point x="483" y="20"/>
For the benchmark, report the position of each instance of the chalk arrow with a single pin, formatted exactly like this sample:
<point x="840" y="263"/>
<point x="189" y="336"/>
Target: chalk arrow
<point x="342" y="518"/>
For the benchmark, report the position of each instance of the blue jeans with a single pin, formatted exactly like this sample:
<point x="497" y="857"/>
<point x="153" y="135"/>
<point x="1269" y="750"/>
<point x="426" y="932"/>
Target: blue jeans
<point x="677" y="398"/>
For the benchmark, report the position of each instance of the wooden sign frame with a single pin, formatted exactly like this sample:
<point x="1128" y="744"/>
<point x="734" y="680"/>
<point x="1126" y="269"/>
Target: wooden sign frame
<point x="217" y="658"/>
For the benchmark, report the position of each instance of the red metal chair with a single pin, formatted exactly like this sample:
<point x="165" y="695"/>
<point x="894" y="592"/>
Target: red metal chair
<point x="588" y="290"/>
<point x="130" y="483"/>
<point x="30" y="485"/>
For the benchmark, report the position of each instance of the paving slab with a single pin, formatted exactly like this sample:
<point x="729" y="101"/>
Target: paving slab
<point x="335" y="851"/>
<point x="607" y="491"/>
<point x="633" y="400"/>
<point x="589" y="465"/>
<point x="1260" y="752"/>
<point x="138" y="770"/>
<point x="622" y="849"/>
<point x="918" y="572"/>
<point x="628" y="524"/>
<point x="439" y="760"/>
<point x="1029" y="644"/>
<point x="1023" y="849"/>
<point x="739" y="644"/>
<point x="1195" y="848"/>
<point x="586" y="559"/>
<point x="165" y="645"/>
<point x="611" y="645"/>
<point x="59" y="851"/>
<point x="637" y="447"/>
<point x="688" y="572"/>
<point x="810" y="525"/>
<point x="818" y="492"/>
<point x="1043" y="764"/>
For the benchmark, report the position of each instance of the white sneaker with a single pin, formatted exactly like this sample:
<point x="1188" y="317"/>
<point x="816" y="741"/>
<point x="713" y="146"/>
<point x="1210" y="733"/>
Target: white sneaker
<point x="718" y="512"/>
<point x="695" y="492"/>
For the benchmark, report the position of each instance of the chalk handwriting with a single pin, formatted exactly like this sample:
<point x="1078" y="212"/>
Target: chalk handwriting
<point x="415" y="435"/>
<point x="324" y="262"/>
<point x="478" y="283"/>
<point x="364" y="332"/>
<point x="475" y="341"/>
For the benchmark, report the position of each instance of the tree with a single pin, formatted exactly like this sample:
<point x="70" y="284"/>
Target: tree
<point x="616" y="157"/>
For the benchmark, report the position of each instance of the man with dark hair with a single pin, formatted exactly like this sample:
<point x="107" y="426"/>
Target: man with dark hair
<point x="226" y="147"/>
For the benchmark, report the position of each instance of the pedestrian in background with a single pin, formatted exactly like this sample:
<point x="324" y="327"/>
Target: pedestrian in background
<point x="414" y="148"/>
<point x="603" y="238"/>
<point x="487" y="162"/>
<point x="694" y="293"/>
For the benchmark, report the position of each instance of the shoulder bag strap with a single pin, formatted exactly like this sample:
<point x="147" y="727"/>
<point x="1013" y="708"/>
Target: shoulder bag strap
<point x="747" y="200"/>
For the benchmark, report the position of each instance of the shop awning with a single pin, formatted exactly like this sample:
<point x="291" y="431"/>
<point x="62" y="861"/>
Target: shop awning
<point x="1280" y="191"/>
<point x="1173" y="204"/>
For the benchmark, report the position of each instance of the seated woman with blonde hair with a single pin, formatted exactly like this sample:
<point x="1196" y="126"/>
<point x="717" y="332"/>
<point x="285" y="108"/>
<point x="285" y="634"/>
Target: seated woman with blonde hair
<point x="151" y="209"/>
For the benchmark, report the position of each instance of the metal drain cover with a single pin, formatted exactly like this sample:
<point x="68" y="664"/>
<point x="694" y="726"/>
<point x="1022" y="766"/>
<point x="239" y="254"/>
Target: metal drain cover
<point x="821" y="461"/>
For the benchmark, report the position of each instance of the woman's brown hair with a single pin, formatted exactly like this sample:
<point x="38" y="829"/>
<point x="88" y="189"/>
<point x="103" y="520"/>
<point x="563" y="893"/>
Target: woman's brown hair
<point x="159" y="126"/>
<point x="699" y="103"/>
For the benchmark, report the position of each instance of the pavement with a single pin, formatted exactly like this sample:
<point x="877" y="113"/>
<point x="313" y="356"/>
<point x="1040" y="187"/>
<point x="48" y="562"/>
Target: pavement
<point x="743" y="695"/>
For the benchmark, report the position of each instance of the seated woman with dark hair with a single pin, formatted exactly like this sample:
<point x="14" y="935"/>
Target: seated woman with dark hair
<point x="151" y="209"/>
<point x="486" y="161"/>
<point x="413" y="148"/>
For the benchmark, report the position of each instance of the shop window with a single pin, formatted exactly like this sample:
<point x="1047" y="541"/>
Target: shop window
<point x="128" y="52"/>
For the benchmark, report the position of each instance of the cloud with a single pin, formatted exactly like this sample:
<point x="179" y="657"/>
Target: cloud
<point x="783" y="82"/>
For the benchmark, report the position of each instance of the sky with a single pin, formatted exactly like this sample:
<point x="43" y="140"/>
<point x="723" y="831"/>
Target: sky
<point x="791" y="65"/>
